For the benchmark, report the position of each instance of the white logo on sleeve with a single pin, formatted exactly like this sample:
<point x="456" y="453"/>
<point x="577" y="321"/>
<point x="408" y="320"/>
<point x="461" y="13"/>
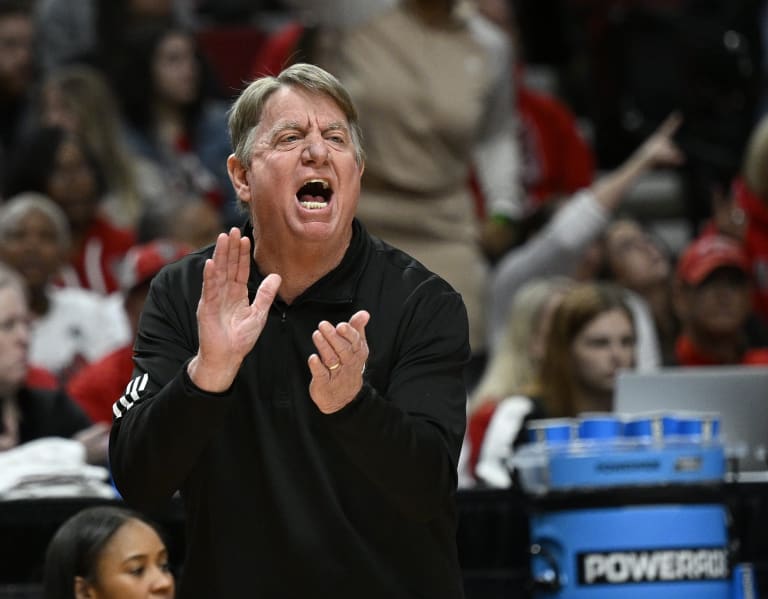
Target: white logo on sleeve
<point x="132" y="395"/>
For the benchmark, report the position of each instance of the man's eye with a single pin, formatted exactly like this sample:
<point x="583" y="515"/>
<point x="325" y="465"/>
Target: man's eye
<point x="338" y="139"/>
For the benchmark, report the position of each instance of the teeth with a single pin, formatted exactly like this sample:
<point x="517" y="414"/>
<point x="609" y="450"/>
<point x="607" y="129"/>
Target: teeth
<point x="322" y="182"/>
<point x="313" y="205"/>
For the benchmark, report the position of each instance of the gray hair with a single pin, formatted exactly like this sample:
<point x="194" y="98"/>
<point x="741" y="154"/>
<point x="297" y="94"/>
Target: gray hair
<point x="245" y="113"/>
<point x="18" y="206"/>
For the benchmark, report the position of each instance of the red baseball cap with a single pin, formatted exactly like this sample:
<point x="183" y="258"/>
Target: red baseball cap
<point x="143" y="262"/>
<point x="706" y="254"/>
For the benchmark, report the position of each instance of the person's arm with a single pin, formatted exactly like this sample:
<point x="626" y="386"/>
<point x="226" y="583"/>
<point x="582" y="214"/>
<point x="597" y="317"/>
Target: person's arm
<point x="555" y="250"/>
<point x="180" y="390"/>
<point x="408" y="441"/>
<point x="163" y="421"/>
<point x="658" y="148"/>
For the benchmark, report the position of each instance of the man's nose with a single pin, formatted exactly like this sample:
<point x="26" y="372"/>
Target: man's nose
<point x="315" y="151"/>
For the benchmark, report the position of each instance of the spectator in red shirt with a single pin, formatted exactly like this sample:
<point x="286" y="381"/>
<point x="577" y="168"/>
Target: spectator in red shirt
<point x="96" y="386"/>
<point x="712" y="300"/>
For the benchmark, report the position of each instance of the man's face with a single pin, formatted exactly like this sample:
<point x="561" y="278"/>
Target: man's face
<point x="16" y="54"/>
<point x="720" y="304"/>
<point x="303" y="182"/>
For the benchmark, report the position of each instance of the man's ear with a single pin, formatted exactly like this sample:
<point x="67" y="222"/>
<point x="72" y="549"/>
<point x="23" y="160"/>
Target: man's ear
<point x="238" y="174"/>
<point x="82" y="588"/>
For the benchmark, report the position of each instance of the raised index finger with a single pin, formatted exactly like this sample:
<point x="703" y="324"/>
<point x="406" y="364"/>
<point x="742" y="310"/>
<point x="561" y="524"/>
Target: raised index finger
<point x="670" y="124"/>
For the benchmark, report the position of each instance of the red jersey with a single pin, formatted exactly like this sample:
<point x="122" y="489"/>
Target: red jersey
<point x="96" y="261"/>
<point x="687" y="354"/>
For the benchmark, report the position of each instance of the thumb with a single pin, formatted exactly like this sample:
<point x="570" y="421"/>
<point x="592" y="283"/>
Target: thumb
<point x="267" y="291"/>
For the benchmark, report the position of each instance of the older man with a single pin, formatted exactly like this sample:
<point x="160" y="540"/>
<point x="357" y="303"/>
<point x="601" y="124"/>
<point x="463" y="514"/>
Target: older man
<point x="300" y="384"/>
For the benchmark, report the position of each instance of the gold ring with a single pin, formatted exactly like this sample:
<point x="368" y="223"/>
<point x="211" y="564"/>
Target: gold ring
<point x="334" y="366"/>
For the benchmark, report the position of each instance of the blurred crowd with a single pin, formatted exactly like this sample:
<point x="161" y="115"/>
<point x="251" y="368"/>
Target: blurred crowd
<point x="113" y="149"/>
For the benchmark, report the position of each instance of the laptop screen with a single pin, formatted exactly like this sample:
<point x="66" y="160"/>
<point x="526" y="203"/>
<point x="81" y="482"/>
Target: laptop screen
<point x="738" y="393"/>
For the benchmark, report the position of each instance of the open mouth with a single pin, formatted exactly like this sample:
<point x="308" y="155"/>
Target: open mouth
<point x="314" y="194"/>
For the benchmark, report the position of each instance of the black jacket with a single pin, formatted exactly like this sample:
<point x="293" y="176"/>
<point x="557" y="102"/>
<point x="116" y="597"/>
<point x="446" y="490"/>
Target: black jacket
<point x="280" y="499"/>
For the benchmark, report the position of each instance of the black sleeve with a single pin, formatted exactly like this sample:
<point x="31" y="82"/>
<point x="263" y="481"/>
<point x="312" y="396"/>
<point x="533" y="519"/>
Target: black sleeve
<point x="409" y="442"/>
<point x="163" y="422"/>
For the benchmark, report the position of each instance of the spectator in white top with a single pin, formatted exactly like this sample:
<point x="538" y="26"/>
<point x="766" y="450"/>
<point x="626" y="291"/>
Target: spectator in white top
<point x="71" y="326"/>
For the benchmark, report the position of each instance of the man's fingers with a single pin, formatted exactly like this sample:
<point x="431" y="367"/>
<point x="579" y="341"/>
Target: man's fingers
<point x="244" y="260"/>
<point x="209" y="280"/>
<point x="316" y="366"/>
<point x="327" y="354"/>
<point x="220" y="250"/>
<point x="267" y="292"/>
<point x="359" y="321"/>
<point x="233" y="254"/>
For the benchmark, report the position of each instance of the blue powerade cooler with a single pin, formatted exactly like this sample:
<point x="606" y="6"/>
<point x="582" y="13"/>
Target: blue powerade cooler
<point x="628" y="509"/>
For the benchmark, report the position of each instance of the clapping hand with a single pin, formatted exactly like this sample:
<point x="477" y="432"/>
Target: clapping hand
<point x="338" y="366"/>
<point x="228" y="325"/>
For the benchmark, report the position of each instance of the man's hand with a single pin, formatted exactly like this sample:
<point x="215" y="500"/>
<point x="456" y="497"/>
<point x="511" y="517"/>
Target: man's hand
<point x="337" y="367"/>
<point x="228" y="326"/>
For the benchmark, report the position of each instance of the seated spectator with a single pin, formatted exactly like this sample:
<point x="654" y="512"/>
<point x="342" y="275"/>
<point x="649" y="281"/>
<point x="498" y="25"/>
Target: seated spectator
<point x="514" y="366"/>
<point x="56" y="163"/>
<point x="713" y="302"/>
<point x="70" y="326"/>
<point x="172" y="117"/>
<point x="107" y="552"/>
<point x="78" y="99"/>
<point x="635" y="260"/>
<point x="98" y="385"/>
<point x="590" y="340"/>
<point x="26" y="413"/>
